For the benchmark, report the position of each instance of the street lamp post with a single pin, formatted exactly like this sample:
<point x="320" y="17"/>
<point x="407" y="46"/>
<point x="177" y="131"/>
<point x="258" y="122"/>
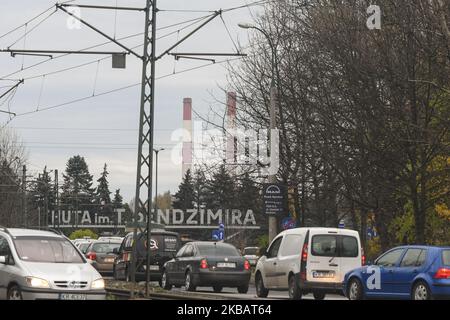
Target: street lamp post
<point x="273" y="117"/>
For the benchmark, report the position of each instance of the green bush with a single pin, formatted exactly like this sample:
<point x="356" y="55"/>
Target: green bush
<point x="79" y="234"/>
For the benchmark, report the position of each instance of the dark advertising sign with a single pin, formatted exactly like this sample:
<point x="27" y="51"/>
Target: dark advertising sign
<point x="274" y="196"/>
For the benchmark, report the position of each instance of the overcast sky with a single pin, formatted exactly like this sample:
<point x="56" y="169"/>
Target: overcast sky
<point x="104" y="128"/>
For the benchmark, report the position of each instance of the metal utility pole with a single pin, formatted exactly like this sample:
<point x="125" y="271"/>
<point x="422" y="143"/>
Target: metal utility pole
<point x="156" y="178"/>
<point x="24" y="196"/>
<point x="145" y="140"/>
<point x="273" y="224"/>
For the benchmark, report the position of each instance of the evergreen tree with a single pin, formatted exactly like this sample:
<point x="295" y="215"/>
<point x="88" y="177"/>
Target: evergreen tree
<point x="185" y="195"/>
<point x="43" y="195"/>
<point x="102" y="192"/>
<point x="220" y="190"/>
<point x="77" y="192"/>
<point x="199" y="189"/>
<point x="248" y="195"/>
<point x="118" y="200"/>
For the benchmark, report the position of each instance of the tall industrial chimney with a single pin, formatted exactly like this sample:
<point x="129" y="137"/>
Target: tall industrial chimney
<point x="231" y="127"/>
<point x="187" y="136"/>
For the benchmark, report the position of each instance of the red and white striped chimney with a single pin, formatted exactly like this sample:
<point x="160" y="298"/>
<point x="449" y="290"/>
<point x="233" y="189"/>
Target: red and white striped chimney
<point x="187" y="136"/>
<point x="231" y="127"/>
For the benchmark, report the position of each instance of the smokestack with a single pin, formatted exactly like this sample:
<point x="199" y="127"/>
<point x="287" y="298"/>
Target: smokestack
<point x="187" y="137"/>
<point x="231" y="127"/>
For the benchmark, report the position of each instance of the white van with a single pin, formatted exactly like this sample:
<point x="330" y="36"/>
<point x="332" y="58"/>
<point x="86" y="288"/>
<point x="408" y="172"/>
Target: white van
<point x="308" y="260"/>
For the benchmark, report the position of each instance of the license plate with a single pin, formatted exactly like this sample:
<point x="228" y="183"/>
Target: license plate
<point x="72" y="296"/>
<point x="323" y="274"/>
<point x="226" y="265"/>
<point x="152" y="267"/>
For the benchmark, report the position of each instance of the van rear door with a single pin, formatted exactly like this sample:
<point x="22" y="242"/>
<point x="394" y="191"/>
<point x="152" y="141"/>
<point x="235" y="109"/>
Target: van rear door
<point x="349" y="252"/>
<point x="323" y="260"/>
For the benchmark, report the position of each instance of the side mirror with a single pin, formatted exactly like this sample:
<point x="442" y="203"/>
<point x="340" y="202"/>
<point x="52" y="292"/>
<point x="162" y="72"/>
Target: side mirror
<point x="115" y="251"/>
<point x="2" y="259"/>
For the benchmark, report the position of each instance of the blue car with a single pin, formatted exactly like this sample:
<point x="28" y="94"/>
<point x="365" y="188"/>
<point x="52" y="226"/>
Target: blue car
<point x="408" y="272"/>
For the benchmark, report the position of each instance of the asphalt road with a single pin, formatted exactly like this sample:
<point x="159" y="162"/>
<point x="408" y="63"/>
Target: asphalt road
<point x="251" y="294"/>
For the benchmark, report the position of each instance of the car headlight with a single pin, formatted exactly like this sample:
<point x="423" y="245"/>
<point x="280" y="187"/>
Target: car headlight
<point x="98" y="284"/>
<point x="37" y="282"/>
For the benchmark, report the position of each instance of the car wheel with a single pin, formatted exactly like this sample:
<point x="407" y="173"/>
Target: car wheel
<point x="217" y="289"/>
<point x="243" y="289"/>
<point x="355" y="290"/>
<point x="319" y="295"/>
<point x="294" y="290"/>
<point x="14" y="293"/>
<point x="421" y="291"/>
<point x="261" y="291"/>
<point x="165" y="283"/>
<point x="188" y="282"/>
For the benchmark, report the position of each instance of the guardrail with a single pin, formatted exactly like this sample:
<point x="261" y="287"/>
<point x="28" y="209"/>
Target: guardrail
<point x="123" y="294"/>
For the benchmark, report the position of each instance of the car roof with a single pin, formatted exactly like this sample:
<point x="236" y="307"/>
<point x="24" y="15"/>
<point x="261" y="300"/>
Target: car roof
<point x="211" y="243"/>
<point x="413" y="246"/>
<point x="159" y="232"/>
<point x="319" y="229"/>
<point x="15" y="232"/>
<point x="107" y="241"/>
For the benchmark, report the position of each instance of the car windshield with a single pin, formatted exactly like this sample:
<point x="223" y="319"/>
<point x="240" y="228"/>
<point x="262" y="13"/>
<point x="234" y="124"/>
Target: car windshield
<point x="42" y="249"/>
<point x="217" y="250"/>
<point x="446" y="257"/>
<point x="104" y="247"/>
<point x="251" y="251"/>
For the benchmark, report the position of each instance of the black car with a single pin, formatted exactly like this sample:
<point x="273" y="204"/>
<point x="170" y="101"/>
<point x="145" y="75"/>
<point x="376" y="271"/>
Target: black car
<point x="204" y="264"/>
<point x="164" y="246"/>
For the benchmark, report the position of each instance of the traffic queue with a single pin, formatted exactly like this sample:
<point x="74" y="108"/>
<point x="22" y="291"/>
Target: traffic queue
<point x="301" y="261"/>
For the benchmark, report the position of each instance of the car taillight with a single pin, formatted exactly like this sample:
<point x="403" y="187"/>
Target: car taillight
<point x="246" y="265"/>
<point x="305" y="252"/>
<point x="204" y="264"/>
<point x="91" y="256"/>
<point x="363" y="257"/>
<point x="442" y="273"/>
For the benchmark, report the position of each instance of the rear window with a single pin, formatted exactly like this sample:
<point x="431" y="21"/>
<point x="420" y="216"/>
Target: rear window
<point x="446" y="257"/>
<point x="104" y="247"/>
<point x="83" y="247"/>
<point x="251" y="251"/>
<point x="349" y="247"/>
<point x="324" y="246"/>
<point x="217" y="250"/>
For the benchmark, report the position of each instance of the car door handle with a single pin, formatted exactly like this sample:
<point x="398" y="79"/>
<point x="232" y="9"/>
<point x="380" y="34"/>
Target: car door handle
<point x="333" y="265"/>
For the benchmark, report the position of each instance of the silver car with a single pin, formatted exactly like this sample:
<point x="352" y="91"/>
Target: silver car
<point x="37" y="264"/>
